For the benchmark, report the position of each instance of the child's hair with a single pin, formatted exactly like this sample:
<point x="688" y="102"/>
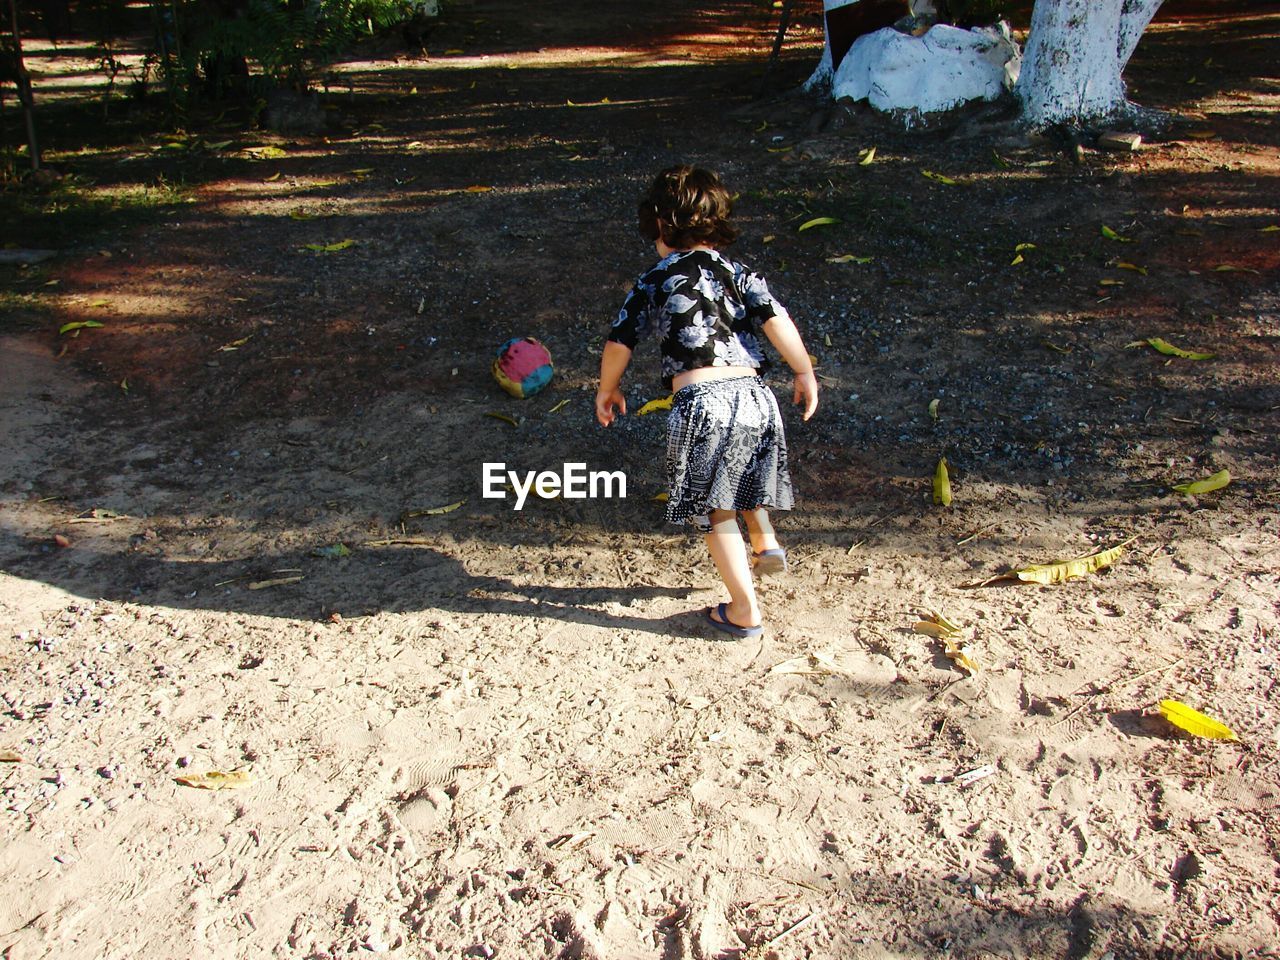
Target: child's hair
<point x="687" y="207"/>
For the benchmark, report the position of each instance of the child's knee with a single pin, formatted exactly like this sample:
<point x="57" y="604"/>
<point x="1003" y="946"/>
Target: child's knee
<point x="720" y="518"/>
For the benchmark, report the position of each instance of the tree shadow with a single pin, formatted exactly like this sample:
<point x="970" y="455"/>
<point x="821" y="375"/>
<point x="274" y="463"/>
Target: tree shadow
<point x="364" y="373"/>
<point x="970" y="916"/>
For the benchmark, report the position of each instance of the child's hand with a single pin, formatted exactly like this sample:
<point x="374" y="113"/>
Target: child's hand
<point x="807" y="392"/>
<point x="607" y="401"/>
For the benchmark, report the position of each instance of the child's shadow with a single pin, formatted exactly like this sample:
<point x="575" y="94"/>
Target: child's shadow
<point x="300" y="585"/>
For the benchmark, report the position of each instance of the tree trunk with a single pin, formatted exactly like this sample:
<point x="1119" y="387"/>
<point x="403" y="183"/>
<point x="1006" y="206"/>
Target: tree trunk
<point x="1075" y="55"/>
<point x="24" y="88"/>
<point x="844" y="22"/>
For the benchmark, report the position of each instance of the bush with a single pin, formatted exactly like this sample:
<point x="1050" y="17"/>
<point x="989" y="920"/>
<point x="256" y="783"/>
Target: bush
<point x="220" y="47"/>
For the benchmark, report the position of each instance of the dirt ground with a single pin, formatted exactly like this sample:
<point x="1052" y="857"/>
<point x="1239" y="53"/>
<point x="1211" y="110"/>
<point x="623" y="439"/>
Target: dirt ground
<point x="492" y="733"/>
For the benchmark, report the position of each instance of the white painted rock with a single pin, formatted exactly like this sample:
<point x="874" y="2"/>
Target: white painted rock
<point x="937" y="71"/>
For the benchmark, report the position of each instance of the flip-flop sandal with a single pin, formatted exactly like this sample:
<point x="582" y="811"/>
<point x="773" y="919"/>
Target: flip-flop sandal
<point x="725" y="625"/>
<point x="769" y="562"/>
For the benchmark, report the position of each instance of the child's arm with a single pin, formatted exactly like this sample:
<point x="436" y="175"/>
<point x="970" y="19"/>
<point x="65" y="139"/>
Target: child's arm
<point x="613" y="364"/>
<point x="782" y="333"/>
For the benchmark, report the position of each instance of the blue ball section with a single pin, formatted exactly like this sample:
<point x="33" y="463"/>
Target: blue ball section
<point x="536" y="380"/>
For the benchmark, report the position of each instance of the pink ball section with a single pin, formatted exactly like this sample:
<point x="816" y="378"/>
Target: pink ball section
<point x="523" y="357"/>
<point x="523" y="367"/>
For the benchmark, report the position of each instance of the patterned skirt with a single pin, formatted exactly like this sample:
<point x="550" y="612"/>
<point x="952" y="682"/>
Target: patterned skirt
<point x="726" y="450"/>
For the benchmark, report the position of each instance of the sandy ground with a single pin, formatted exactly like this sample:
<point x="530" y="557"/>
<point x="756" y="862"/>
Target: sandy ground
<point x="496" y="734"/>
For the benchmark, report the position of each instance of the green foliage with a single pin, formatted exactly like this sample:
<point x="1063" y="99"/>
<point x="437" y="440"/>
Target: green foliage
<point x="977" y="12"/>
<point x="218" y="46"/>
<point x="73" y="210"/>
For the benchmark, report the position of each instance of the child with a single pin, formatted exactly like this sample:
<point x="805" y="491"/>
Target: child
<point x="726" y="453"/>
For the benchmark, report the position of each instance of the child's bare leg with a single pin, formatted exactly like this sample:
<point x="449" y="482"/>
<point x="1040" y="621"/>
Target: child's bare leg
<point x="760" y="530"/>
<point x="730" y="556"/>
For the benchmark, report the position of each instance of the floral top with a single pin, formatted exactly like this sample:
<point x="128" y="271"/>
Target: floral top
<point x="706" y="311"/>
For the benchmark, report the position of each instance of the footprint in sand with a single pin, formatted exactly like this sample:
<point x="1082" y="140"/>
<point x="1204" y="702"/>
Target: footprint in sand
<point x="424" y="792"/>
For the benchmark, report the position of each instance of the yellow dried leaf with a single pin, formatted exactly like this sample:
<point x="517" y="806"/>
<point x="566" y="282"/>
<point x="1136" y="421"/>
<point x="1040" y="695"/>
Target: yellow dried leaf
<point x="1016" y="260"/>
<point x="868" y="158"/>
<point x="1194" y="722"/>
<point x="1215" y="482"/>
<point x="939" y="177"/>
<point x="559" y="406"/>
<point x="273" y="178"/>
<point x="849" y="258"/>
<point x="942" y="484"/>
<point x="329" y="247"/>
<point x="933" y="408"/>
<point x="816" y="222"/>
<point x="826" y="339"/>
<point x="477" y="188"/>
<point x="215" y="780"/>
<point x="661" y="497"/>
<point x="940" y="619"/>
<point x="362" y="172"/>
<point x="78" y="325"/>
<point x="432" y="511"/>
<point x="956" y="649"/>
<point x="1064" y="570"/>
<point x="1024" y="246"/>
<point x="275" y="582"/>
<point x="1110" y="283"/>
<point x="1201" y="134"/>
<point x="958" y="653"/>
<point x="1274" y="228"/>
<point x="503" y="417"/>
<point x="931" y="629"/>
<point x="1169" y="350"/>
<point x="1054" y="347"/>
<point x="1112" y="235"/>
<point x="662" y="403"/>
<point x="768" y="239"/>
<point x="1232" y="268"/>
<point x="781" y="149"/>
<point x="1122" y="265"/>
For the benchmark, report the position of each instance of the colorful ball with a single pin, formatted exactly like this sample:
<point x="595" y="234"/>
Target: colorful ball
<point x="523" y="367"/>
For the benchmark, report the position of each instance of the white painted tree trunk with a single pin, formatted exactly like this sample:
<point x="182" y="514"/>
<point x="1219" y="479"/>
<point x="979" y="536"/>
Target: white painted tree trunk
<point x="822" y="76"/>
<point x="1075" y="55"/>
